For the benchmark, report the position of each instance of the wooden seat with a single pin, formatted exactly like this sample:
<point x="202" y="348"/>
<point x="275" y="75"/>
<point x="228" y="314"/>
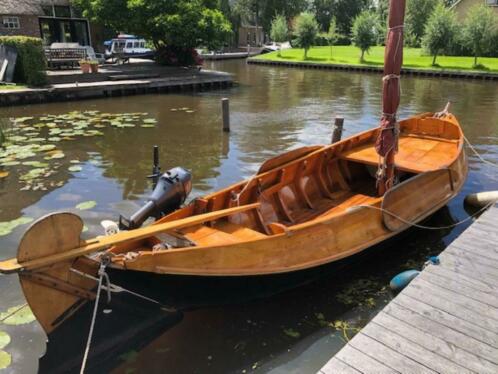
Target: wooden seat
<point x="416" y="154"/>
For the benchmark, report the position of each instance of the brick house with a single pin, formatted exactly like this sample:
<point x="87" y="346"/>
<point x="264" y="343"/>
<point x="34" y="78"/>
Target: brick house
<point x="462" y="7"/>
<point x="51" y="20"/>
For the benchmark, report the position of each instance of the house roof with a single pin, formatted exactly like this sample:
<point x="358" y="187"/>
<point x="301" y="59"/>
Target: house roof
<point x="27" y="6"/>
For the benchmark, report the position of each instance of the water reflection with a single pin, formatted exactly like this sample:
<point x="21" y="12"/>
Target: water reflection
<point x="272" y="110"/>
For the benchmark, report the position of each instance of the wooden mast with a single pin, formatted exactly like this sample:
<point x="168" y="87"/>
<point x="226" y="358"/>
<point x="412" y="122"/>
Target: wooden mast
<point x="387" y="141"/>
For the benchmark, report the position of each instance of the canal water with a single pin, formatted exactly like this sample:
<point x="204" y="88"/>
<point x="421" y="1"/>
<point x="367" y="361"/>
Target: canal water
<point x="101" y="173"/>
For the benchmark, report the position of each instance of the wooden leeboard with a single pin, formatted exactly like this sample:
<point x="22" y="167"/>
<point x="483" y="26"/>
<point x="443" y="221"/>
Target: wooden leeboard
<point x="412" y="199"/>
<point x="446" y="320"/>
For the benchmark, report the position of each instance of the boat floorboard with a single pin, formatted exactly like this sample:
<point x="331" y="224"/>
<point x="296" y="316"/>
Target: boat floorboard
<point x="446" y="320"/>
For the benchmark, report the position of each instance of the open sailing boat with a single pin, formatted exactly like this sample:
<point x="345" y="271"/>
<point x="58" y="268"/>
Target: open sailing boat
<point x="308" y="207"/>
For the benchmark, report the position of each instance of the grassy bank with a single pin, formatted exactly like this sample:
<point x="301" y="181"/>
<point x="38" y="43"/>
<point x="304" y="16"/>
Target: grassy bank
<point x="11" y="87"/>
<point x="349" y="55"/>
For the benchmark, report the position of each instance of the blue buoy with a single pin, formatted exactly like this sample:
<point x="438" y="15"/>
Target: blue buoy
<point x="402" y="280"/>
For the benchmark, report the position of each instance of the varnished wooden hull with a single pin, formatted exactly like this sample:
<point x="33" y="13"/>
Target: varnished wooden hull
<point x="346" y="229"/>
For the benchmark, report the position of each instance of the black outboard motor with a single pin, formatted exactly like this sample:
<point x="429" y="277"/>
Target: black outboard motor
<point x="170" y="192"/>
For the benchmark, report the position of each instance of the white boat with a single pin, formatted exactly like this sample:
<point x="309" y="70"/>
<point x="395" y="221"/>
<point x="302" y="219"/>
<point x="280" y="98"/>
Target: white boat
<point x="125" y="47"/>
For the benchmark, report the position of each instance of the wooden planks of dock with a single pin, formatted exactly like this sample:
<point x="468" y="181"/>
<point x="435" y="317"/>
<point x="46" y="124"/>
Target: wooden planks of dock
<point x="445" y="321"/>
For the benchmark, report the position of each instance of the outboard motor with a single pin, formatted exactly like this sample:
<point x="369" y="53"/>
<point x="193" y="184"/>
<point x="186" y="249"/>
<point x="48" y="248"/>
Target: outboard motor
<point x="170" y="192"/>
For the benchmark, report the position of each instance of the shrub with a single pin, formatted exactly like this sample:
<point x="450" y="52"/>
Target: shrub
<point x="177" y="56"/>
<point x="31" y="63"/>
<point x="364" y="31"/>
<point x="306" y="31"/>
<point x="440" y="31"/>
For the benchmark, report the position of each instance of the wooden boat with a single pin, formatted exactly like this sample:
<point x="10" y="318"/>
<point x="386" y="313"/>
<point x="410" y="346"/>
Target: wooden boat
<point x="308" y="207"/>
<point x="305" y="208"/>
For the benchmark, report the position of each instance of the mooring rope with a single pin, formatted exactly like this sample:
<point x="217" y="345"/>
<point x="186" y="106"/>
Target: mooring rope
<point x="116" y="288"/>
<point x="478" y="154"/>
<point x="414" y="224"/>
<point x="102" y="274"/>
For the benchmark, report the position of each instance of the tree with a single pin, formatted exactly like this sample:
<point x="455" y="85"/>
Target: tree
<point x="363" y="31"/>
<point x="332" y="35"/>
<point x="250" y="10"/>
<point x="306" y="31"/>
<point x="417" y="14"/>
<point x="439" y="31"/>
<point x="479" y="30"/>
<point x="344" y="12"/>
<point x="288" y="8"/>
<point x="279" y="30"/>
<point x="184" y="24"/>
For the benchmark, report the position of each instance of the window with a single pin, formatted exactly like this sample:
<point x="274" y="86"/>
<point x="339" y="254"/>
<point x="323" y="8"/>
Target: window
<point x="129" y="45"/>
<point x="142" y="44"/>
<point x="11" y="22"/>
<point x="492" y="2"/>
<point x="136" y="45"/>
<point x="48" y="10"/>
<point x="62" y="11"/>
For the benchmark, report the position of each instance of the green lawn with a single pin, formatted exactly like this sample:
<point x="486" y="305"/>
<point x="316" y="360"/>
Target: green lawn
<point x="350" y="55"/>
<point x="12" y="87"/>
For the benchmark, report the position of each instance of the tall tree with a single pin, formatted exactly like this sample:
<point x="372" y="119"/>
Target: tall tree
<point x="181" y="23"/>
<point x="343" y="10"/>
<point x="417" y="14"/>
<point x="306" y="30"/>
<point x="288" y="8"/>
<point x="364" y="32"/>
<point x="250" y="10"/>
<point x="480" y="27"/>
<point x="279" y="30"/>
<point x="439" y="31"/>
<point x="332" y="35"/>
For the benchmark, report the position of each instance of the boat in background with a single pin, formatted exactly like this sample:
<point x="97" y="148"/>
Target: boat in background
<point x="125" y="47"/>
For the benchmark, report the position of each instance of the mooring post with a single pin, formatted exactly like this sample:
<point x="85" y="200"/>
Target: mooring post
<point x="338" y="126"/>
<point x="248" y="50"/>
<point x="225" y="108"/>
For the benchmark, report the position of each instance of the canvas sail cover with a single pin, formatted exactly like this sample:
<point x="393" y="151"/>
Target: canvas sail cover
<point x="386" y="145"/>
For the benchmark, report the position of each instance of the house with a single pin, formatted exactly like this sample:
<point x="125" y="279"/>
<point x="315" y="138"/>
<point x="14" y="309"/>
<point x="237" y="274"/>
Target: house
<point x="462" y="7"/>
<point x="54" y="21"/>
<point x="251" y="35"/>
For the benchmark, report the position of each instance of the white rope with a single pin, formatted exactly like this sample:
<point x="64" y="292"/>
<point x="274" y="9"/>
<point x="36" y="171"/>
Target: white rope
<point x="115" y="288"/>
<point x="414" y="224"/>
<point x="478" y="155"/>
<point x="94" y="317"/>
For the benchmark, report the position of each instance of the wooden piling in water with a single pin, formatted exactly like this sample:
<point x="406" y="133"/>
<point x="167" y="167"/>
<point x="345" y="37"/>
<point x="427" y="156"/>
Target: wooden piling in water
<point x="338" y="127"/>
<point x="225" y="109"/>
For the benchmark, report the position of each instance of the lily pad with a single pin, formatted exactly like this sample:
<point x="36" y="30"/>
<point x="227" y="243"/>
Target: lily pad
<point x="5" y="360"/>
<point x="4" y="174"/>
<point x="292" y="333"/>
<point x="149" y="120"/>
<point x="21" y="317"/>
<point x="4" y="339"/>
<point x="75" y="168"/>
<point x="7" y="227"/>
<point x="145" y="126"/>
<point x="86" y="205"/>
<point x="10" y="163"/>
<point x="46" y="147"/>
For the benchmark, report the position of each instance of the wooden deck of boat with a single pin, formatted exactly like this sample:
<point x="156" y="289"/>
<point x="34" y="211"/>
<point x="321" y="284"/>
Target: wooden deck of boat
<point x="445" y="321"/>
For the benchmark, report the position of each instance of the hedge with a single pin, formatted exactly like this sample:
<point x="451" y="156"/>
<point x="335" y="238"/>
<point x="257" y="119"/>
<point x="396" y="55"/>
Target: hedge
<point x="31" y="63"/>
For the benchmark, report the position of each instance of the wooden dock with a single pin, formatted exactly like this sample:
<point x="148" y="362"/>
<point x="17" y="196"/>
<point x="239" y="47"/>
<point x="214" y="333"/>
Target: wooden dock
<point x="445" y="321"/>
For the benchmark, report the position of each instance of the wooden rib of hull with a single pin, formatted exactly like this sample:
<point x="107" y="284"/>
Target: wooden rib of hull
<point x="314" y="210"/>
